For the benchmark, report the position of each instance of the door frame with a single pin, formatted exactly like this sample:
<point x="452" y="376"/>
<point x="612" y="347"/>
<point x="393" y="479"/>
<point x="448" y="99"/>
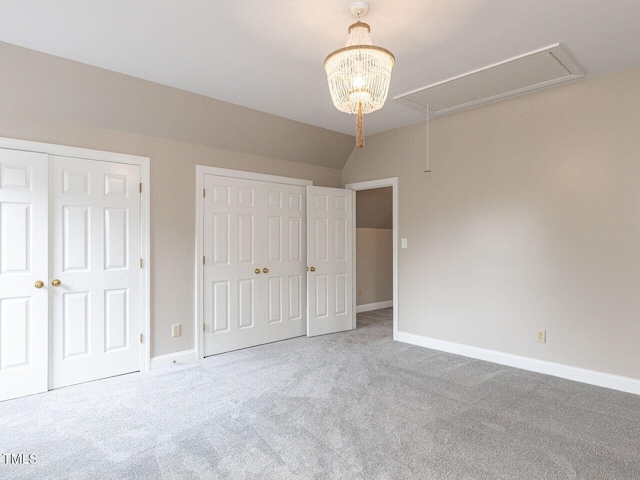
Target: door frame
<point x="370" y="185"/>
<point x="201" y="171"/>
<point x="145" y="217"/>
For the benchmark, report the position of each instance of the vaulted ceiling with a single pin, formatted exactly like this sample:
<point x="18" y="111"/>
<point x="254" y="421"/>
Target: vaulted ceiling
<point x="268" y="55"/>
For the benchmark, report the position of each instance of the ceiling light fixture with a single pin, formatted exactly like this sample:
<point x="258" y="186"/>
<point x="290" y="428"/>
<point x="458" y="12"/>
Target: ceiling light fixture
<point x="359" y="73"/>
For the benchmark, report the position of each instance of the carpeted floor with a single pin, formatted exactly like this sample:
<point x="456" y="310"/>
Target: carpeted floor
<point x="353" y="405"/>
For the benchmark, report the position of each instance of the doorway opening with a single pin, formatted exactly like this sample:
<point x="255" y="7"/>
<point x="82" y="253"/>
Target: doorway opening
<point x="376" y="250"/>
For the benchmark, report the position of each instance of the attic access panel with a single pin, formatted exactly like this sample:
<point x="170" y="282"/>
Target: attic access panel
<point x="516" y="76"/>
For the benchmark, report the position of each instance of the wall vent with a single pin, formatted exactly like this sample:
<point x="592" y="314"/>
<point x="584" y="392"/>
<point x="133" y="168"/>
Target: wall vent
<point x="516" y="76"/>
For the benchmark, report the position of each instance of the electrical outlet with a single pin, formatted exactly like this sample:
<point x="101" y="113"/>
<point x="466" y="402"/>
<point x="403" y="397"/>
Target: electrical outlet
<point x="360" y="292"/>
<point x="542" y="336"/>
<point x="176" y="330"/>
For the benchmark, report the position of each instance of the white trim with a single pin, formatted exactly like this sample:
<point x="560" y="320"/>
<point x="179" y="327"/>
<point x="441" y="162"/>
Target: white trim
<point x="145" y="252"/>
<point x="199" y="298"/>
<point x="201" y="171"/>
<point x="556" y="50"/>
<point x="145" y="216"/>
<point x="374" y="306"/>
<point x="591" y="377"/>
<point x="180" y="358"/>
<point x="368" y="185"/>
<point x="66" y="151"/>
<point x="260" y="177"/>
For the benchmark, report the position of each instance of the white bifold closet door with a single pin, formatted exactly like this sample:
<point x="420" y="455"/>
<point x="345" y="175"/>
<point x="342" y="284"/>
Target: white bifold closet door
<point x="330" y="259"/>
<point x="254" y="272"/>
<point x="70" y="285"/>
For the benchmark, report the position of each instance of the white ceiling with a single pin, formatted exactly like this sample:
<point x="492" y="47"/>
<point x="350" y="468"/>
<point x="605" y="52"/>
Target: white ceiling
<point x="269" y="54"/>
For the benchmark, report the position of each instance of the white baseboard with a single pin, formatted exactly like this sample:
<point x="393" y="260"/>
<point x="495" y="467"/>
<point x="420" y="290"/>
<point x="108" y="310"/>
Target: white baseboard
<point x="592" y="377"/>
<point x="187" y="356"/>
<point x="374" y="306"/>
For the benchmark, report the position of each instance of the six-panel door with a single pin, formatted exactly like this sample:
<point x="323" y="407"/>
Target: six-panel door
<point x="330" y="258"/>
<point x="23" y="263"/>
<point x="254" y="263"/>
<point x="95" y="250"/>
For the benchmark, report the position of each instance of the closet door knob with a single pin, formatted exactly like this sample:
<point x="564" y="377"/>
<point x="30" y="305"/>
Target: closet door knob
<point x="265" y="270"/>
<point x="313" y="269"/>
<point x="56" y="283"/>
<point x="256" y="271"/>
<point x="39" y="284"/>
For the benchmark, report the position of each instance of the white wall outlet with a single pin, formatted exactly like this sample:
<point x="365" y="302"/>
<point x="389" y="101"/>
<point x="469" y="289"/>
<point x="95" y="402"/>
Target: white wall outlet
<point x="403" y="243"/>
<point x="542" y="336"/>
<point x="176" y="330"/>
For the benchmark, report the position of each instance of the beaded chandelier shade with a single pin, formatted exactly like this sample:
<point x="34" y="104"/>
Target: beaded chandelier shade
<point x="359" y="75"/>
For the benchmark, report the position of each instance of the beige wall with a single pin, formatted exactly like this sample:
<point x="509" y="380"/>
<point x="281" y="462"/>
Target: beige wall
<point x="94" y="113"/>
<point x="530" y="220"/>
<point x="374" y="265"/>
<point x="374" y="208"/>
<point x="42" y="86"/>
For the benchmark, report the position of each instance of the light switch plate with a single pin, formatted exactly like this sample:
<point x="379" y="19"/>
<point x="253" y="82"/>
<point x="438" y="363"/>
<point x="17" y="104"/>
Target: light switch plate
<point x="403" y="243"/>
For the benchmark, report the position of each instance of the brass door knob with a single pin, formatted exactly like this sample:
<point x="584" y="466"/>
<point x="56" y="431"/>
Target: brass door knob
<point x="56" y="283"/>
<point x="265" y="270"/>
<point x="313" y="269"/>
<point x="256" y="271"/>
<point x="39" y="284"/>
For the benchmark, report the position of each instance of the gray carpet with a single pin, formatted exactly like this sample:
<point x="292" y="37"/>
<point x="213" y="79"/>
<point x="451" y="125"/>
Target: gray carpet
<point x="354" y="405"/>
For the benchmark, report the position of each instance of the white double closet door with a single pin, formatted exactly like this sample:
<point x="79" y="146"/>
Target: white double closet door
<point x="254" y="263"/>
<point x="70" y="286"/>
<point x="268" y="254"/>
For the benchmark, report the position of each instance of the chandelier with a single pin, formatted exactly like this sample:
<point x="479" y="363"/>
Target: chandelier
<point x="359" y="73"/>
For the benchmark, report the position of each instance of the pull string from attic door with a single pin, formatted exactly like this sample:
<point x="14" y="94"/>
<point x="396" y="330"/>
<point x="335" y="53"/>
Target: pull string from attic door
<point x="428" y="170"/>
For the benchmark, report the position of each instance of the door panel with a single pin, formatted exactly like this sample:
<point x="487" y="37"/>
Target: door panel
<point x="285" y="216"/>
<point x="16" y="245"/>
<point x="76" y="328"/>
<point x="222" y="241"/>
<point x="75" y="238"/>
<point x="116" y="225"/>
<point x="116" y="319"/>
<point x="94" y="250"/>
<point x="220" y="303"/>
<point x="329" y="252"/>
<point x="231" y="251"/>
<point x="246" y="301"/>
<point x="252" y="226"/>
<point x="23" y="261"/>
<point x="15" y="331"/>
<point x="322" y="295"/>
<point x="295" y="297"/>
<point x="274" y="236"/>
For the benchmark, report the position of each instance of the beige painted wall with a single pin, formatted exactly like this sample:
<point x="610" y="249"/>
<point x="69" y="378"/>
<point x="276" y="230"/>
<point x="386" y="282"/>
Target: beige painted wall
<point x="530" y="220"/>
<point x="374" y="208"/>
<point x="374" y="265"/>
<point x="86" y="119"/>
<point x="43" y="86"/>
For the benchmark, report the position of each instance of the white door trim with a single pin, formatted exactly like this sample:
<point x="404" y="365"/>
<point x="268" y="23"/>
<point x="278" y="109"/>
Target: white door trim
<point x="201" y="171"/>
<point x="145" y="216"/>
<point x="261" y="177"/>
<point x="368" y="185"/>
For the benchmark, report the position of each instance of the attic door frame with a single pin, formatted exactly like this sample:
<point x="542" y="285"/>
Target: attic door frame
<point x="370" y="185"/>
<point x="145" y="219"/>
<point x="201" y="171"/>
